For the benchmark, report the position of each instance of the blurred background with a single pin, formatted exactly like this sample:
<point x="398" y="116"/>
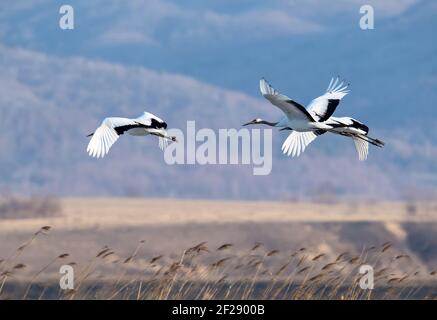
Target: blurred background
<point x="202" y="60"/>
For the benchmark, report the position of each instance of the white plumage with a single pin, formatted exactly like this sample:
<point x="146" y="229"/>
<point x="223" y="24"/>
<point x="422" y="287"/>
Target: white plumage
<point x="292" y="110"/>
<point x="112" y="128"/>
<point x="322" y="108"/>
<point x="296" y="142"/>
<point x="308" y="123"/>
<point x="362" y="147"/>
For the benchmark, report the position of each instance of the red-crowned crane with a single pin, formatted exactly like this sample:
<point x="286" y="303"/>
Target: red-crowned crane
<point x="112" y="128"/>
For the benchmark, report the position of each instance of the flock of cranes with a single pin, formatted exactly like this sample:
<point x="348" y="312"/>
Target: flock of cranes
<point x="309" y="123"/>
<point x="306" y="124"/>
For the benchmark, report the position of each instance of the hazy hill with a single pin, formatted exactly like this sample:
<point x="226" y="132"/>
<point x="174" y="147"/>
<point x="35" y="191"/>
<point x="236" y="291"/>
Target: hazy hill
<point x="49" y="104"/>
<point x="203" y="61"/>
<point x="298" y="45"/>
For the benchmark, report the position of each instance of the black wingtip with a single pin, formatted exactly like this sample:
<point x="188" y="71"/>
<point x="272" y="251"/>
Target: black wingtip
<point x="90" y="135"/>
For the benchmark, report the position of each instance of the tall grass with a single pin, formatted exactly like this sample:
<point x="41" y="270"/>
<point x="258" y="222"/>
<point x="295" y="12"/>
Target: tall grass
<point x="225" y="272"/>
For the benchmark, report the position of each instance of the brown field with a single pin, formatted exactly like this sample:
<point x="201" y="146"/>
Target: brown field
<point x="296" y="241"/>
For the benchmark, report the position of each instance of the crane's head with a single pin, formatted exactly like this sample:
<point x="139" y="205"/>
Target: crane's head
<point x="254" y="121"/>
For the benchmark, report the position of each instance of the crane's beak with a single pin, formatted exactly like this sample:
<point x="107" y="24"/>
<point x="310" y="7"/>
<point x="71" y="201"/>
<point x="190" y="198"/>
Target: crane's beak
<point x="251" y="122"/>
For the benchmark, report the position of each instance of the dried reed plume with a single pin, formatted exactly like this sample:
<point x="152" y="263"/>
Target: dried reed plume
<point x="198" y="273"/>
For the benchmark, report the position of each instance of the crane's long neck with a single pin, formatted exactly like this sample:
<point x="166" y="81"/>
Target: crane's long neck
<point x="271" y="124"/>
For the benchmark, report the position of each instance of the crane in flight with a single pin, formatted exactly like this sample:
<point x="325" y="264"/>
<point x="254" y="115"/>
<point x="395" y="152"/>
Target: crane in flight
<point x="112" y="128"/>
<point x="309" y="123"/>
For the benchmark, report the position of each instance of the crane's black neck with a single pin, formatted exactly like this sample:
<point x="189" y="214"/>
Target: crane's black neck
<point x="271" y="124"/>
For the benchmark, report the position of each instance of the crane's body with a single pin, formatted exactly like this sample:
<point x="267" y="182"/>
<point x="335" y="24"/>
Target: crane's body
<point x="316" y="119"/>
<point x="113" y="127"/>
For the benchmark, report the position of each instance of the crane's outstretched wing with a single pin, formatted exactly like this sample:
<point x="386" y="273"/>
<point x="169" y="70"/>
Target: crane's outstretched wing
<point x="151" y="121"/>
<point x="362" y="147"/>
<point x="292" y="109"/>
<point x="296" y="142"/>
<point x="107" y="134"/>
<point x="323" y="107"/>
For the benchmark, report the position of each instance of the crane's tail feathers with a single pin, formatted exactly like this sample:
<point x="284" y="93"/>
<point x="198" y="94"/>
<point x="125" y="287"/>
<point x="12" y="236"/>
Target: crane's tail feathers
<point x="297" y="142"/>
